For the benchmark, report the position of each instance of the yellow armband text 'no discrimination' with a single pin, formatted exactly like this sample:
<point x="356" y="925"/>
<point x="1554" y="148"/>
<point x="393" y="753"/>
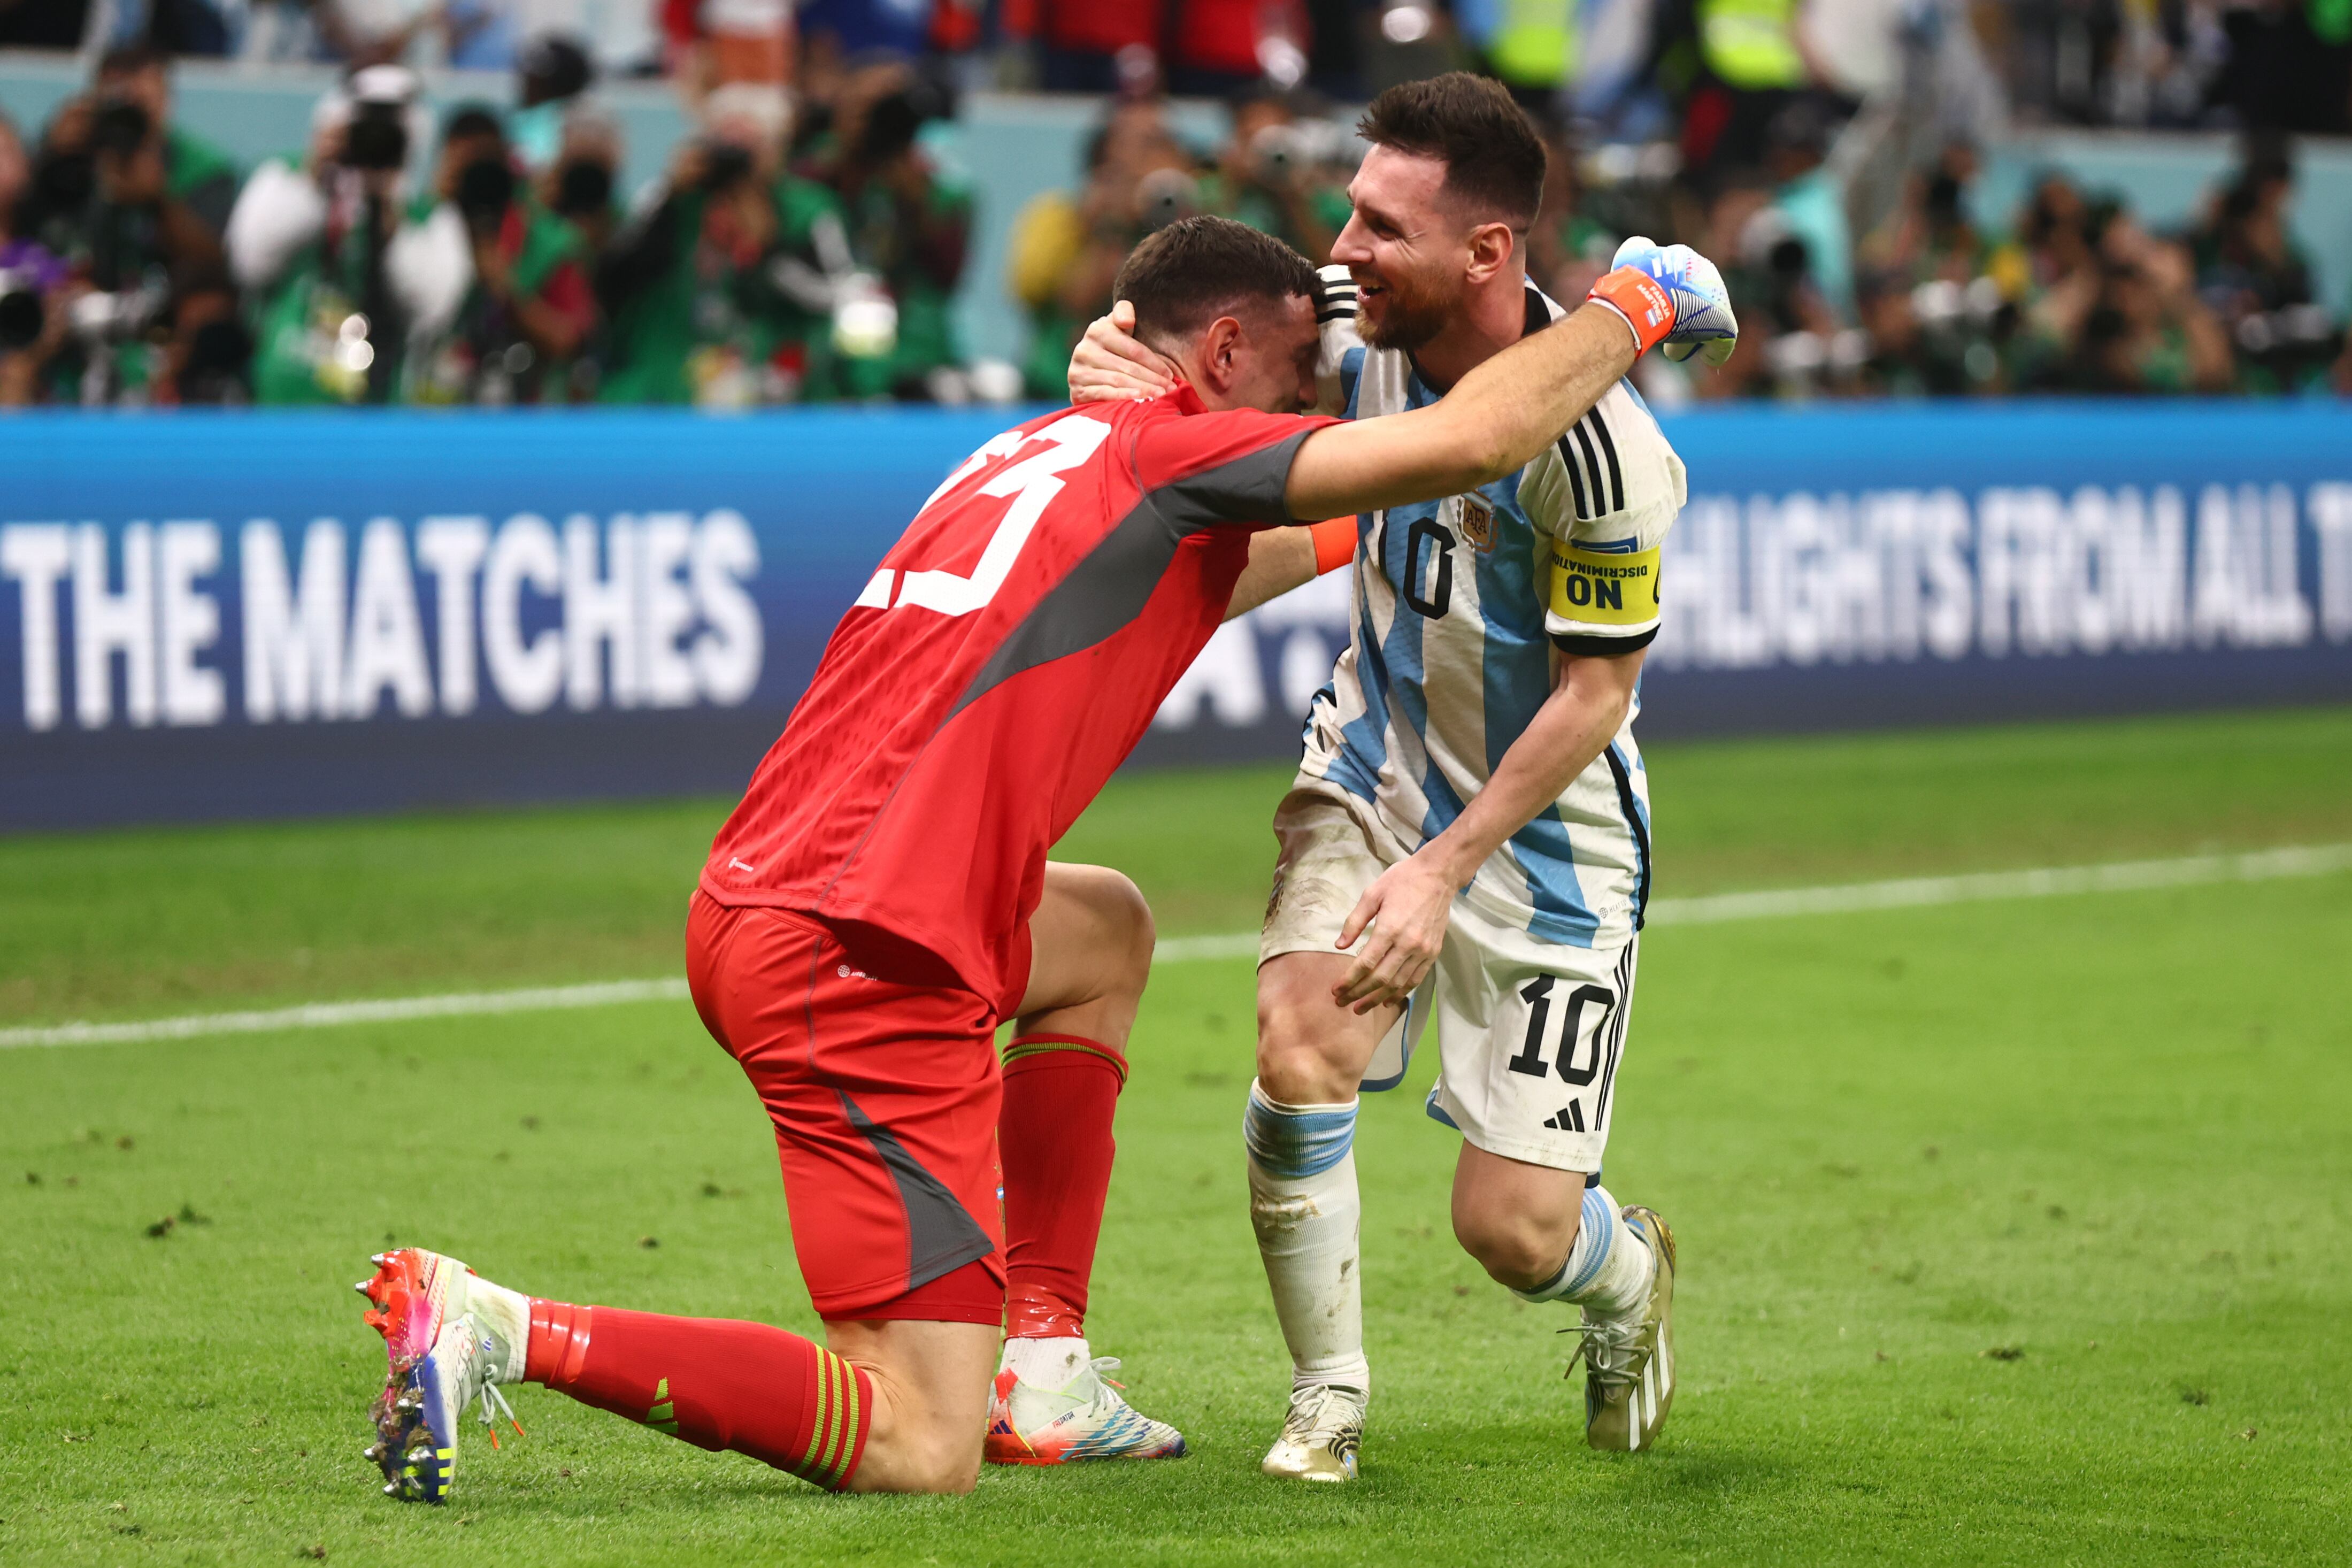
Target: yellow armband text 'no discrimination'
<point x="1604" y="587"/>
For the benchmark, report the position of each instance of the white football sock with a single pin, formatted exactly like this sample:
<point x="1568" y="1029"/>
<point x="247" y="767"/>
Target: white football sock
<point x="1608" y="1270"/>
<point x="1306" y="1211"/>
<point x="507" y="1314"/>
<point x="1048" y="1363"/>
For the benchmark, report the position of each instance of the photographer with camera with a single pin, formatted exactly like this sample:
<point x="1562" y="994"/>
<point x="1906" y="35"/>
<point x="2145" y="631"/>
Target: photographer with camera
<point x="527" y="305"/>
<point x="99" y="199"/>
<point x="580" y="184"/>
<point x="1274" y="174"/>
<point x="910" y="226"/>
<point x="721" y="294"/>
<point x="197" y="174"/>
<point x="1066" y="250"/>
<point x="30" y="273"/>
<point x="335" y="277"/>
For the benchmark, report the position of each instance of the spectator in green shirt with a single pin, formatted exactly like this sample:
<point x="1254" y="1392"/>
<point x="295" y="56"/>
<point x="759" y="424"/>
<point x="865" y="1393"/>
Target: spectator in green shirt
<point x="721" y="294"/>
<point x="102" y="201"/>
<point x="910" y="226"/>
<point x="1270" y="175"/>
<point x="526" y="307"/>
<point x="338" y="279"/>
<point x="195" y="173"/>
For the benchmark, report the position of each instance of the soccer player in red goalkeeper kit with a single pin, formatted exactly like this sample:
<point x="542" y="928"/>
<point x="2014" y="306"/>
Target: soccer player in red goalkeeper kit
<point x="881" y="902"/>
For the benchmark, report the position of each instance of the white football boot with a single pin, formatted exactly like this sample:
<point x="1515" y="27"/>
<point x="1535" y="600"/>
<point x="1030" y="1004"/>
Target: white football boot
<point x="1085" y="1418"/>
<point x="1321" y="1436"/>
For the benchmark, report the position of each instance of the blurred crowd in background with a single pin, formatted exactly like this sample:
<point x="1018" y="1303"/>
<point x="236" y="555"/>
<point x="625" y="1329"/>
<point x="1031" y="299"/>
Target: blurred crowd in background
<point x="812" y="231"/>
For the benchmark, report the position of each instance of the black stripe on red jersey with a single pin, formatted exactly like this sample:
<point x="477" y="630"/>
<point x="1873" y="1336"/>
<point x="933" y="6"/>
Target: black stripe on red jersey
<point x="941" y="1234"/>
<point x="1108" y="589"/>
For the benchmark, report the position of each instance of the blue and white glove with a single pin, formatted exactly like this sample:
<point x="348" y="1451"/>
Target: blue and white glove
<point x="1703" y="318"/>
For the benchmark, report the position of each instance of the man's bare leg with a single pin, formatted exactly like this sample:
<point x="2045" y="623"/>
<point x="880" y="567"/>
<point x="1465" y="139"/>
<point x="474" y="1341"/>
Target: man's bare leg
<point x="1551" y="1237"/>
<point x="929" y="1384"/>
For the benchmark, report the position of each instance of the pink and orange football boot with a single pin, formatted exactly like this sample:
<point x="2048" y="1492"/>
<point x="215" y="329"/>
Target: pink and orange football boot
<point x="1086" y="1419"/>
<point x="450" y="1338"/>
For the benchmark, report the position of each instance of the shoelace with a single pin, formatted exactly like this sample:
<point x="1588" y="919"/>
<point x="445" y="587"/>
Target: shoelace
<point x="1309" y="1406"/>
<point x="1109" y="1390"/>
<point x="494" y="1405"/>
<point x="1608" y="1347"/>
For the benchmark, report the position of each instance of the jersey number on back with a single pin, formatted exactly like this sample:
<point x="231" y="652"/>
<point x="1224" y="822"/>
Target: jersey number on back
<point x="1033" y="483"/>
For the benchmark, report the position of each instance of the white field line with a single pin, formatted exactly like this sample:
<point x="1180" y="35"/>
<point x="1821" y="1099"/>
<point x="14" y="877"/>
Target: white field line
<point x="324" y="1015"/>
<point x="2043" y="882"/>
<point x="1912" y="893"/>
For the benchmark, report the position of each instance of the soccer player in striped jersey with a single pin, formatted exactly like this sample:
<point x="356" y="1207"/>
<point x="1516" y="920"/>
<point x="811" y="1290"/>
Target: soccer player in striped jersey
<point x="1468" y="836"/>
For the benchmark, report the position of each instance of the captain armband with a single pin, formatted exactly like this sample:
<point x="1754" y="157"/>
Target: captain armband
<point x="1602" y="602"/>
<point x="1604" y="587"/>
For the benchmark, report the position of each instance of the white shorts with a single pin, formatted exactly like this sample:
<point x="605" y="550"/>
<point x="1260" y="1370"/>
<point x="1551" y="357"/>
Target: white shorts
<point x="1529" y="1032"/>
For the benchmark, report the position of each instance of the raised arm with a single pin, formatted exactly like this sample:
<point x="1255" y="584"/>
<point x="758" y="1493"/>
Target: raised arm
<point x="1508" y="409"/>
<point x="1491" y="423"/>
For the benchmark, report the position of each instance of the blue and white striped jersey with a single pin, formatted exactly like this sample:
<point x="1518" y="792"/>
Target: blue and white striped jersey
<point x="1461" y="610"/>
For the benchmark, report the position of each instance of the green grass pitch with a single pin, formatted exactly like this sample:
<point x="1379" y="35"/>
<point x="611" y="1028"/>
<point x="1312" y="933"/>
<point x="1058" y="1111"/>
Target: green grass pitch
<point x="2013" y="1232"/>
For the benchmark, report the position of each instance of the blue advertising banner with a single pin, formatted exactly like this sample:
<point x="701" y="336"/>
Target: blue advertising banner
<point x="261" y="614"/>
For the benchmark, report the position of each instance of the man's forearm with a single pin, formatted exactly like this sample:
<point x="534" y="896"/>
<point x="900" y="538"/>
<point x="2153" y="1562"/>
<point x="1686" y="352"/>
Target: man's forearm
<point x="1522" y="399"/>
<point x="1576" y="722"/>
<point x="1280" y="558"/>
<point x="1493" y="422"/>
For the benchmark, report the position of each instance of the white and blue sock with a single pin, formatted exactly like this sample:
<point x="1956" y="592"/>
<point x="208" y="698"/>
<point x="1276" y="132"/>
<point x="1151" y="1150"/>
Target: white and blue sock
<point x="1305" y="1208"/>
<point x="1608" y="1270"/>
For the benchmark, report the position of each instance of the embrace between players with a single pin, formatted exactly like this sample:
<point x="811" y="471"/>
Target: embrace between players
<point x="1467" y="838"/>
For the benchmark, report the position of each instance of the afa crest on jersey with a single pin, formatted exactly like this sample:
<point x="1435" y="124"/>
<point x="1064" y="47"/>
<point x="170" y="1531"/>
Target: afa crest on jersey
<point x="1476" y="518"/>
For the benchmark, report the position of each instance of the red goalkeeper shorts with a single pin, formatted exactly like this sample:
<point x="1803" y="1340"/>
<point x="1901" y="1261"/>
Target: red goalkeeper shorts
<point x="884" y="1093"/>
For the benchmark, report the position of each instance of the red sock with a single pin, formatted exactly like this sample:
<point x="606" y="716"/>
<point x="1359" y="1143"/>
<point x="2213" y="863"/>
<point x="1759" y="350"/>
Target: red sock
<point x="1053" y="1134"/>
<point x="757" y="1390"/>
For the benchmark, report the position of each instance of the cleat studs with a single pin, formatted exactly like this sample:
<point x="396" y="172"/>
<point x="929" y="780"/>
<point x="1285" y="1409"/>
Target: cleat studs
<point x="372" y="1451"/>
<point x="392" y="1488"/>
<point x="363" y="1286"/>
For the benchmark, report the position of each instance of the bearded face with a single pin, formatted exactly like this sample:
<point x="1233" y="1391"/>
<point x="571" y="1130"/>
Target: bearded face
<point x="1396" y="308"/>
<point x="1404" y="248"/>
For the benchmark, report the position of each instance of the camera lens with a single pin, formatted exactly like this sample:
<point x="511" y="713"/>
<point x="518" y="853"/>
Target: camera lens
<point x="20" y="315"/>
<point x="583" y="189"/>
<point x="120" y="129"/>
<point x="376" y="138"/>
<point x="727" y="165"/>
<point x="486" y="188"/>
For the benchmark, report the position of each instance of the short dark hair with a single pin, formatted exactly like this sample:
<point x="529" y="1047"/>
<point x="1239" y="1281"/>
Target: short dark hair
<point x="1494" y="159"/>
<point x="1197" y="269"/>
<point x="469" y="120"/>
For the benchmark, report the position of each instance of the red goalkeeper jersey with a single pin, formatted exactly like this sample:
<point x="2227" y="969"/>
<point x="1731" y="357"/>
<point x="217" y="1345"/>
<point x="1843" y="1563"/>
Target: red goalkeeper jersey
<point x="1005" y="659"/>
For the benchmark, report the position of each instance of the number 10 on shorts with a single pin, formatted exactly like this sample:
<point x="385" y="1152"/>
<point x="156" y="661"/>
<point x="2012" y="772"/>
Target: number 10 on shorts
<point x="1568" y="1035"/>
